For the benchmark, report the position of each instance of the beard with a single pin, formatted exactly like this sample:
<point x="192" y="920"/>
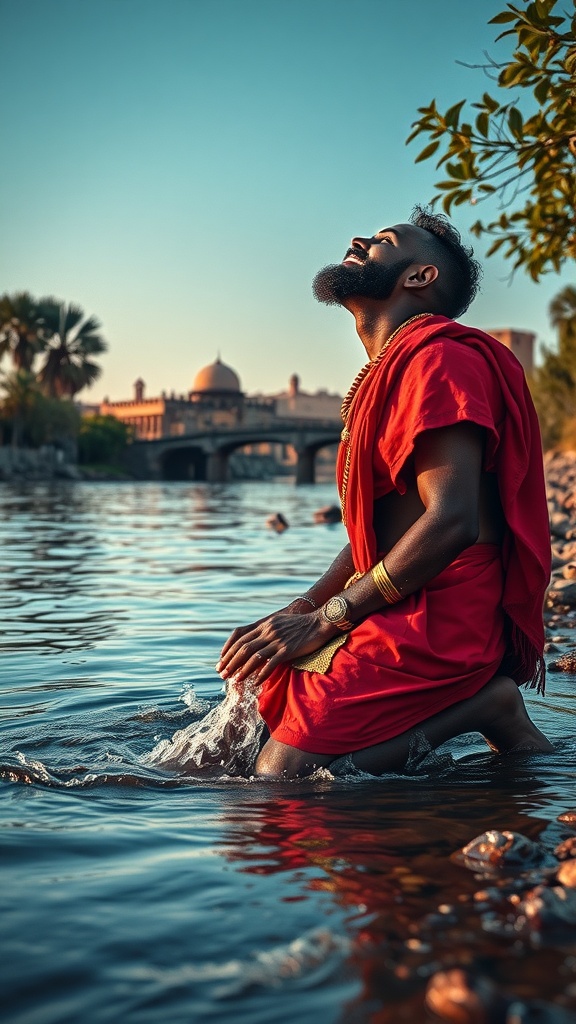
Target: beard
<point x="369" y="280"/>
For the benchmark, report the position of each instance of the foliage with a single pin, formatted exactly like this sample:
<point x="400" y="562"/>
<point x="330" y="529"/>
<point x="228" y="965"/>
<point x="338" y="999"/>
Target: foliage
<point x="61" y="336"/>
<point x="554" y="382"/>
<point x="102" y="439"/>
<point x="32" y="418"/>
<point x="505" y="153"/>
<point x="72" y="342"/>
<point x="21" y="334"/>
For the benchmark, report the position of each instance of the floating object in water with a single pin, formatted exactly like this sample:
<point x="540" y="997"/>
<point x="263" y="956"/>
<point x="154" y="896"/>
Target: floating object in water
<point x="277" y="522"/>
<point x="328" y="514"/>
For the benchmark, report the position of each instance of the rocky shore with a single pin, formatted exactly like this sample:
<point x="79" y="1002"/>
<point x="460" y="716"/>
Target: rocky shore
<point x="560" y="606"/>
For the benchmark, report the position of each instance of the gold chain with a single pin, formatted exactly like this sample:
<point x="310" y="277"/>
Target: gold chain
<point x="363" y="373"/>
<point x="345" y="436"/>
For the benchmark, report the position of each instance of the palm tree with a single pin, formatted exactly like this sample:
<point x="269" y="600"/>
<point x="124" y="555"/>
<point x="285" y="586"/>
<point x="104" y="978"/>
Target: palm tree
<point x="21" y="335"/>
<point x="21" y="397"/>
<point x="73" y="341"/>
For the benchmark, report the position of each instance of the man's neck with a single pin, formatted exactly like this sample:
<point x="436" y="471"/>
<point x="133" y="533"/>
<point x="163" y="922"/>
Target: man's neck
<point x="375" y="322"/>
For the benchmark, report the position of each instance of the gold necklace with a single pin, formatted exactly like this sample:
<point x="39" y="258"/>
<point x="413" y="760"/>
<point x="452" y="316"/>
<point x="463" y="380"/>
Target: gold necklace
<point x="363" y="373"/>
<point x="345" y="436"/>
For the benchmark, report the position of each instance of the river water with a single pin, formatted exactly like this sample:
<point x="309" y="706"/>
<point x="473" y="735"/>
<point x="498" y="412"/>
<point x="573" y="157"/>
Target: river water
<point x="135" y="894"/>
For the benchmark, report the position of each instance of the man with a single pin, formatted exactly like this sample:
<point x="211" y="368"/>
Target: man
<point x="431" y="616"/>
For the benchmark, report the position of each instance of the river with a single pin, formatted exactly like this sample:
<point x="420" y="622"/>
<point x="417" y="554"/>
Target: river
<point x="143" y="896"/>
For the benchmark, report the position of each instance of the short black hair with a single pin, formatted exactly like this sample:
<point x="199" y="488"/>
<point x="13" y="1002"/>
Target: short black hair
<point x="463" y="272"/>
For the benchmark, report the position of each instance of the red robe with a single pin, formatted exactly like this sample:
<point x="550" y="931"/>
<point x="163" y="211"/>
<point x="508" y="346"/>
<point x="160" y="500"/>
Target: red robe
<point x="443" y="643"/>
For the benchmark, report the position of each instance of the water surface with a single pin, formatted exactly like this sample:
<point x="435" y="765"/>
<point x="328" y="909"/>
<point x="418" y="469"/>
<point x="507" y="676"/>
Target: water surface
<point x="144" y="896"/>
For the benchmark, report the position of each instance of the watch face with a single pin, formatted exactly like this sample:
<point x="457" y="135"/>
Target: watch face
<point x="336" y="609"/>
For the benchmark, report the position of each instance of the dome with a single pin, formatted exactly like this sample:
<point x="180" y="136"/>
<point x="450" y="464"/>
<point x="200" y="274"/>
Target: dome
<point x="216" y="377"/>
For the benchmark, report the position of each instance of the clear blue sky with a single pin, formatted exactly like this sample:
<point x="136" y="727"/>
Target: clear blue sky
<point x="182" y="168"/>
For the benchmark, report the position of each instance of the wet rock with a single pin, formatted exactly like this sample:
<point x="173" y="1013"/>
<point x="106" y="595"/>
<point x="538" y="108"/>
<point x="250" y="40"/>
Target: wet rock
<point x="569" y="571"/>
<point x="277" y="522"/>
<point x="566" y="849"/>
<point x="567" y="663"/>
<point x="562" y="592"/>
<point x="549" y="908"/>
<point x="458" y="996"/>
<point x="559" y="524"/>
<point x="566" y="874"/>
<point x="568" y="817"/>
<point x="495" y="849"/>
<point x="328" y="514"/>
<point x="550" y="648"/>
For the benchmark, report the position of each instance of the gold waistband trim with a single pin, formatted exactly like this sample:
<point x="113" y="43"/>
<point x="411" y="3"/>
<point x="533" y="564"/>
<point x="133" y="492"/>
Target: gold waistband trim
<point x="320" y="660"/>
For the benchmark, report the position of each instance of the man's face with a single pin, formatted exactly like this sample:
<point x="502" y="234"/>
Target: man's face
<point x="371" y="267"/>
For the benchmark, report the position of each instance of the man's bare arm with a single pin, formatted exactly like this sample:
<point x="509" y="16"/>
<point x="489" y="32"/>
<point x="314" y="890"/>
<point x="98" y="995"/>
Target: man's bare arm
<point x="448" y="467"/>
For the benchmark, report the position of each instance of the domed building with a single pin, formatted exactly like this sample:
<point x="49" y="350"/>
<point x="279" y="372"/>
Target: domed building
<point x="217" y="378"/>
<point x="216" y="399"/>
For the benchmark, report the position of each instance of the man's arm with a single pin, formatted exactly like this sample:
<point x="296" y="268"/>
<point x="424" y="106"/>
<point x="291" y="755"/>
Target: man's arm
<point x="448" y="467"/>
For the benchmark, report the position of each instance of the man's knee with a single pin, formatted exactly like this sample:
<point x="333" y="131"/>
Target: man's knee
<point x="281" y="761"/>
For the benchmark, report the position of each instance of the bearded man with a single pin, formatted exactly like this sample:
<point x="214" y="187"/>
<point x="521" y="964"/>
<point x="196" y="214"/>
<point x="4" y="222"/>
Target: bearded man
<point x="431" y="617"/>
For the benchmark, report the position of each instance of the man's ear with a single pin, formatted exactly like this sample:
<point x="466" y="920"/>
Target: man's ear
<point x="420" y="276"/>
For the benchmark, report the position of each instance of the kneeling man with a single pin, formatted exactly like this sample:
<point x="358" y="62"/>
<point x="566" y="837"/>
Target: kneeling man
<point x="431" y="617"/>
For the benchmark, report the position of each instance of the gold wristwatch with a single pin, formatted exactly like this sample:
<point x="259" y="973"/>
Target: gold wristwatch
<point x="336" y="611"/>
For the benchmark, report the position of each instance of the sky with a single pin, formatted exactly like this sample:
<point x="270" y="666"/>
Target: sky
<point x="181" y="169"/>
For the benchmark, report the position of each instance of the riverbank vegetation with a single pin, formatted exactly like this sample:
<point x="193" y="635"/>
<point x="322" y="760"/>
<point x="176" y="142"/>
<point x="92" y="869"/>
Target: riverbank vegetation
<point x="49" y="350"/>
<point x="518" y="149"/>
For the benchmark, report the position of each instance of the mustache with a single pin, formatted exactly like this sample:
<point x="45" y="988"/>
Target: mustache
<point x="361" y="254"/>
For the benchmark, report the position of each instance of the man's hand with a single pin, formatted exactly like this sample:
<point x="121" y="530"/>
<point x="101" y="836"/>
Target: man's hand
<point x="258" y="648"/>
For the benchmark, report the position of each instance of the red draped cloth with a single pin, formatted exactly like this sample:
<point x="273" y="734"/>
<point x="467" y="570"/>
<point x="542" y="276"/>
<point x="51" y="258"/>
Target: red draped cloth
<point x="443" y="643"/>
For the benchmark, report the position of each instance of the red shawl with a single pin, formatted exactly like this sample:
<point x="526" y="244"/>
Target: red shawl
<point x="517" y="460"/>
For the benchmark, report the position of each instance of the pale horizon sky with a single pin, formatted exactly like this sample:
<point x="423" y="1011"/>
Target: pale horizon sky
<point x="182" y="168"/>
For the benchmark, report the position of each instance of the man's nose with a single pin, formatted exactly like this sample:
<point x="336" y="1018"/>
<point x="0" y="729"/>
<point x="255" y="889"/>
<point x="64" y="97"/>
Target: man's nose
<point x="361" y="243"/>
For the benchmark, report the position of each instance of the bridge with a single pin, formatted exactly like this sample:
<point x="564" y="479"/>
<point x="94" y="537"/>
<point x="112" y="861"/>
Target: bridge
<point x="204" y="454"/>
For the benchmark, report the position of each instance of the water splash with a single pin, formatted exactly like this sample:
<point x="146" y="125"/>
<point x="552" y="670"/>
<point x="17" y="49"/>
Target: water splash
<point x="226" y="740"/>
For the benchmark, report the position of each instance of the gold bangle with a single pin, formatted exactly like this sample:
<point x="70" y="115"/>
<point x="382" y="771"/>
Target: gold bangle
<point x="389" y="592"/>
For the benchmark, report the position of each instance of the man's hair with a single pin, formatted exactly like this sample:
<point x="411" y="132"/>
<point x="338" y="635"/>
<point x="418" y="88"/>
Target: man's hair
<point x="460" y="273"/>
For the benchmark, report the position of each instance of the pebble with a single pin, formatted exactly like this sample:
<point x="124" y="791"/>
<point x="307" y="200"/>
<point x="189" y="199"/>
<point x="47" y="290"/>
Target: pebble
<point x="494" y="849"/>
<point x="568" y="817"/>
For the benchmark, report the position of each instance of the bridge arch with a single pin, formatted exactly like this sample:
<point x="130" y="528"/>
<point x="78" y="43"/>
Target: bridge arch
<point x="186" y="462"/>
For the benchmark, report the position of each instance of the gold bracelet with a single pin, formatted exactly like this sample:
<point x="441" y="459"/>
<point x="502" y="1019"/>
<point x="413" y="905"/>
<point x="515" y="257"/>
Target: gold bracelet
<point x="382" y="580"/>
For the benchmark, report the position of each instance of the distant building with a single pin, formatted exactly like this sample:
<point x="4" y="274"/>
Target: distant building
<point x="520" y="343"/>
<point x="216" y="399"/>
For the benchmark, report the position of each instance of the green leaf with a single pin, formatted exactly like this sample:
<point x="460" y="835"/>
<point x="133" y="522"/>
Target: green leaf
<point x="452" y="115"/>
<point x="515" y="122"/>
<point x="503" y="18"/>
<point x="541" y="90"/>
<point x="490" y="104"/>
<point x="482" y="124"/>
<point x="427" y="152"/>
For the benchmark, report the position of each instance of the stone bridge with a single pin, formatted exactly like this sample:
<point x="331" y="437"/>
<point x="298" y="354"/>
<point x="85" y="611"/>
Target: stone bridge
<point x="203" y="455"/>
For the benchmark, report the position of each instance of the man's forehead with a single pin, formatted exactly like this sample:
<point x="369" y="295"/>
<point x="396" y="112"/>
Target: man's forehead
<point x="405" y="232"/>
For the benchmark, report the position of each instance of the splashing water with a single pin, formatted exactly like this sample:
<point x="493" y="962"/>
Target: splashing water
<point x="227" y="739"/>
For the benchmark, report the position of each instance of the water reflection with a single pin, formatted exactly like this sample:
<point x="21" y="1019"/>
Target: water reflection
<point x="384" y="857"/>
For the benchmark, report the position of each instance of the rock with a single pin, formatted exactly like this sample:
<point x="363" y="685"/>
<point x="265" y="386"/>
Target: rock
<point x="549" y="907"/>
<point x="566" y="874"/>
<point x="559" y="524"/>
<point x="457" y="996"/>
<point x="566" y="849"/>
<point x="562" y="591"/>
<point x="277" y="522"/>
<point x="569" y="571"/>
<point x="550" y="648"/>
<point x="495" y="849"/>
<point x="328" y="514"/>
<point x="568" y="817"/>
<point x="567" y="663"/>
